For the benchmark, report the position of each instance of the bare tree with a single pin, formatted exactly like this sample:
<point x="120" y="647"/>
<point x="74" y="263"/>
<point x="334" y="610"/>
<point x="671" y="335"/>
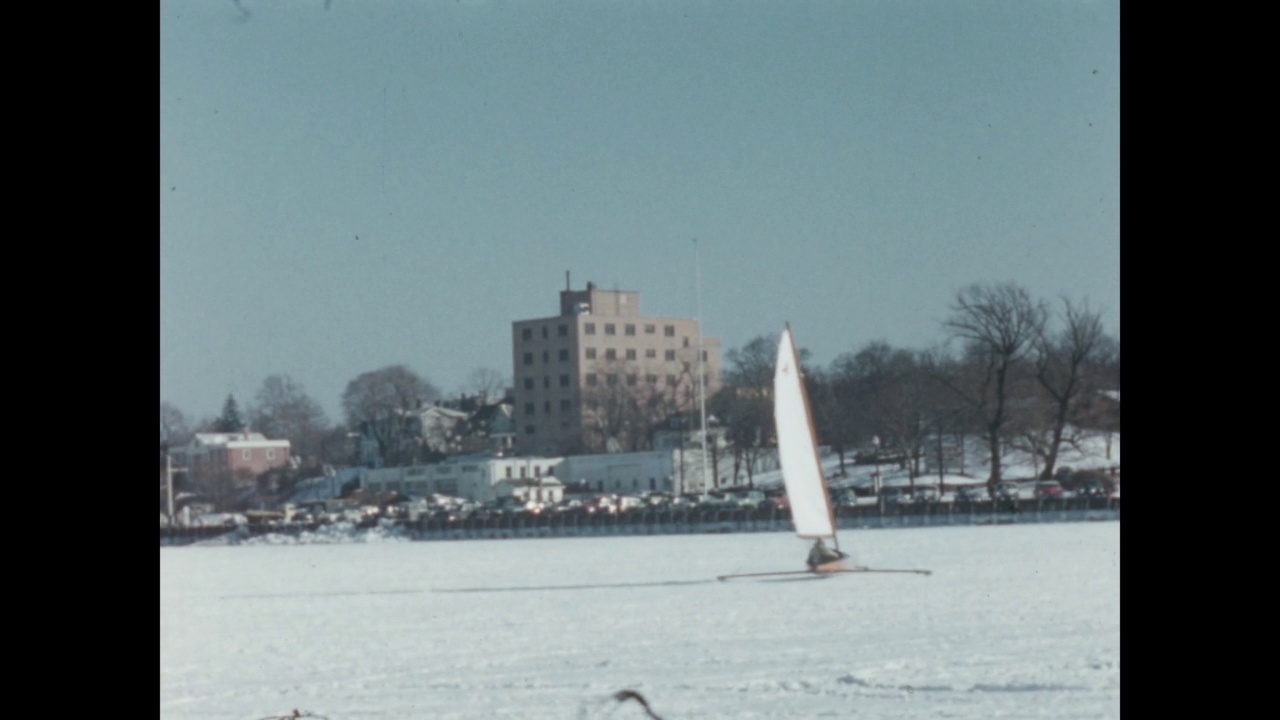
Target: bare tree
<point x="745" y="407"/>
<point x="382" y="403"/>
<point x="487" y="383"/>
<point x="628" y="400"/>
<point x="998" y="325"/>
<point x="886" y="392"/>
<point x="282" y="409"/>
<point x="1061" y="361"/>
<point x="175" y="429"/>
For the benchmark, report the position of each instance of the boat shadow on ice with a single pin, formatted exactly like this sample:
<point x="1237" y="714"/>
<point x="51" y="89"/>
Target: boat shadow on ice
<point x="586" y="586"/>
<point x="850" y="679"/>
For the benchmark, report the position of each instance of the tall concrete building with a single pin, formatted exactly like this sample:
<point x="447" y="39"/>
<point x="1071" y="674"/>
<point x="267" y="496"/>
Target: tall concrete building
<point x="600" y="376"/>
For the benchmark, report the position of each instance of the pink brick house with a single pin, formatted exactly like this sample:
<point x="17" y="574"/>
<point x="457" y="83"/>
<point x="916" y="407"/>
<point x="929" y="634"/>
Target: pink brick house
<point x="245" y="454"/>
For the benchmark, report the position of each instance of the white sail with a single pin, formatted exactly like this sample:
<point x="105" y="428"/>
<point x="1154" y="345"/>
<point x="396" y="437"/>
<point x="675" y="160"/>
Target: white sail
<point x="797" y="447"/>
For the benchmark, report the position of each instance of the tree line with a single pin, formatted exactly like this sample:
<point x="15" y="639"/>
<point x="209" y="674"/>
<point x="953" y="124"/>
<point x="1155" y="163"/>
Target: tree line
<point x="1022" y="373"/>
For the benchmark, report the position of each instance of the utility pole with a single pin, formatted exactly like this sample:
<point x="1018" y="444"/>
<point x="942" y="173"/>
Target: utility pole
<point x="168" y="482"/>
<point x="702" y="381"/>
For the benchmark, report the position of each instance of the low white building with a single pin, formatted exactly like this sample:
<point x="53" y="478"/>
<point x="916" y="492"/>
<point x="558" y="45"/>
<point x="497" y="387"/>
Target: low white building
<point x="474" y="477"/>
<point x="547" y="490"/>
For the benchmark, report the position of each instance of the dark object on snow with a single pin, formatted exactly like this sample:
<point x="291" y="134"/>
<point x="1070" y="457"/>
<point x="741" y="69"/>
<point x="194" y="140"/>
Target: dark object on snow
<point x="624" y="695"/>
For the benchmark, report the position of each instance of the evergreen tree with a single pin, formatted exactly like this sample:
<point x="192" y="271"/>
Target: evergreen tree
<point x="229" y="420"/>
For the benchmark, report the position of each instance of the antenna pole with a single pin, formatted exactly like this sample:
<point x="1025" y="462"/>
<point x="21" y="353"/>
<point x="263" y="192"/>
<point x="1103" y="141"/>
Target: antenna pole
<point x="702" y="387"/>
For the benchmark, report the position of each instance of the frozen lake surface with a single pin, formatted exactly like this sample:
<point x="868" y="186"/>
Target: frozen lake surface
<point x="1016" y="621"/>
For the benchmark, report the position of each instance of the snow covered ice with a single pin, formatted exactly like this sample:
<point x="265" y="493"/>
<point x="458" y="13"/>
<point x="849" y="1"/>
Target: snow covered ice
<point x="1016" y="621"/>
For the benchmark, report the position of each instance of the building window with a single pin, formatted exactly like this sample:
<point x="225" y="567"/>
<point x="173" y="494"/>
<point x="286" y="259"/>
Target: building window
<point x="546" y="356"/>
<point x="650" y="353"/>
<point x="271" y="453"/>
<point x="565" y="406"/>
<point x="669" y="356"/>
<point x="631" y="379"/>
<point x="526" y="334"/>
<point x="651" y="379"/>
<point x="246" y="454"/>
<point x="546" y="382"/>
<point x="650" y="329"/>
<point x="591" y="353"/>
<point x="528" y="430"/>
<point x="508" y="471"/>
<point x="686" y="367"/>
<point x="631" y="353"/>
<point x="704" y="356"/>
<point x="591" y="379"/>
<point x="528" y="358"/>
<point x="529" y="408"/>
<point x="629" y="329"/>
<point x="546" y="407"/>
<point x="564" y="356"/>
<point x="669" y="330"/>
<point x="562" y="330"/>
<point x="544" y="332"/>
<point x="610" y="354"/>
<point x="589" y="328"/>
<point x="686" y="342"/>
<point x="528" y="383"/>
<point x="671" y="380"/>
<point x="610" y="329"/>
<point x="564" y="381"/>
<point x="611" y="378"/>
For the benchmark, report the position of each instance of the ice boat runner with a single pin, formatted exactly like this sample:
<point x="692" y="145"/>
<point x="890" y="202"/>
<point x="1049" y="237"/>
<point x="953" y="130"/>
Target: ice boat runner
<point x="802" y="471"/>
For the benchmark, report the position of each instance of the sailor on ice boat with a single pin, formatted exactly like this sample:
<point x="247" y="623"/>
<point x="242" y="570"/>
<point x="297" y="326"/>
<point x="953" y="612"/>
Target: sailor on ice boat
<point x="802" y="472"/>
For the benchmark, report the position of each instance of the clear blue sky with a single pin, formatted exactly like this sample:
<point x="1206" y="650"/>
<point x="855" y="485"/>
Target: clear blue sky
<point x="391" y="182"/>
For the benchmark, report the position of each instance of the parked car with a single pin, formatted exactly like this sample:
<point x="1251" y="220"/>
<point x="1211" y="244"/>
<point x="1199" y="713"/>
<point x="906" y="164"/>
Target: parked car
<point x="1092" y="487"/>
<point x="926" y="494"/>
<point x="777" y="501"/>
<point x="627" y="503"/>
<point x="658" y="500"/>
<point x="971" y="493"/>
<point x="748" y="499"/>
<point x="843" y="497"/>
<point x="1048" y="489"/>
<point x="895" y="495"/>
<point x="719" y="501"/>
<point x="1007" y="490"/>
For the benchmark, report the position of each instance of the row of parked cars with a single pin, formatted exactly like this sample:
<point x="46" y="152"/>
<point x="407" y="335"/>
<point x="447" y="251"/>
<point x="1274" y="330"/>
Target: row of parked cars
<point x="444" y="508"/>
<point x="1005" y="490"/>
